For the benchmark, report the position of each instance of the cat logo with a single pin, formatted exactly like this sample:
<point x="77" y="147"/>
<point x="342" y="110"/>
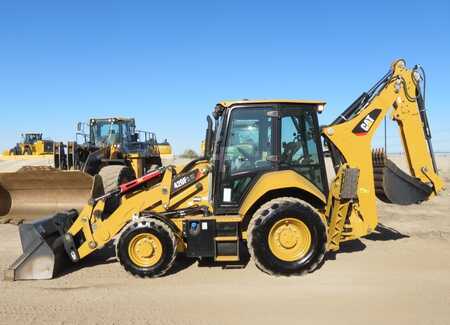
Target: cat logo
<point x="364" y="126"/>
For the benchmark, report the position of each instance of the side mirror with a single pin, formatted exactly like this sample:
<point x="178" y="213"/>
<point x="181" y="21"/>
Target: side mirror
<point x="79" y="126"/>
<point x="134" y="137"/>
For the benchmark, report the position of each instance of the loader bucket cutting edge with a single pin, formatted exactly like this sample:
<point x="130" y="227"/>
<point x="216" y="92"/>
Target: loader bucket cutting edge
<point x="394" y="186"/>
<point x="30" y="195"/>
<point x="43" y="252"/>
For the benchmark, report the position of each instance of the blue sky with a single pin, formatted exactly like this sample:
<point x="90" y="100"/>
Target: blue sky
<point x="167" y="63"/>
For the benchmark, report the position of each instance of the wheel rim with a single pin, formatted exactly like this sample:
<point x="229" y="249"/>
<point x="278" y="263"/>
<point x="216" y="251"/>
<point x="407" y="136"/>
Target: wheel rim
<point x="145" y="250"/>
<point x="289" y="239"/>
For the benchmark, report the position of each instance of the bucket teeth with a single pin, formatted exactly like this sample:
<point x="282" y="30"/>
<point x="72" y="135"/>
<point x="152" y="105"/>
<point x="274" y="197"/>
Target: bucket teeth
<point x="378" y="157"/>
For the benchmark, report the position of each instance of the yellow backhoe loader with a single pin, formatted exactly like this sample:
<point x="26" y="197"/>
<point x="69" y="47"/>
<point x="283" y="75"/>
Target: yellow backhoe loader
<point x="112" y="148"/>
<point x="262" y="182"/>
<point x="32" y="145"/>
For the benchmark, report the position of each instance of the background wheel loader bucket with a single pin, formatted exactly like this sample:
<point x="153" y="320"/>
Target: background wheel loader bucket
<point x="31" y="194"/>
<point x="44" y="254"/>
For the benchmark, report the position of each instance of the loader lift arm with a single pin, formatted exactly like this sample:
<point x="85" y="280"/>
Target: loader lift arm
<point x="351" y="208"/>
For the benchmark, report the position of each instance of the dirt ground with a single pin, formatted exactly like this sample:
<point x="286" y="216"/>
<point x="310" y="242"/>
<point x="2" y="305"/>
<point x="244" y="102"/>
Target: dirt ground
<point x="398" y="275"/>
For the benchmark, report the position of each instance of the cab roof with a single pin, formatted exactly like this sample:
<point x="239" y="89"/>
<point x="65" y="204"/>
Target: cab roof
<point x="114" y="118"/>
<point x="230" y="103"/>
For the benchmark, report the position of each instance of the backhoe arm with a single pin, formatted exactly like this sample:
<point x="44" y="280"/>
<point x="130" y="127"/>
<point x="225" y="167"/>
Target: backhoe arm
<point x="350" y="137"/>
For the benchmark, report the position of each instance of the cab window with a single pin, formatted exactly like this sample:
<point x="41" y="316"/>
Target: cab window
<point x="299" y="145"/>
<point x="248" y="146"/>
<point x="249" y="140"/>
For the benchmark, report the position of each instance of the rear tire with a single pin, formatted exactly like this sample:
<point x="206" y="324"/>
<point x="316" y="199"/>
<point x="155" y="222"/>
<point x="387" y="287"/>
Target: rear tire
<point x="286" y="236"/>
<point x="112" y="177"/>
<point x="147" y="248"/>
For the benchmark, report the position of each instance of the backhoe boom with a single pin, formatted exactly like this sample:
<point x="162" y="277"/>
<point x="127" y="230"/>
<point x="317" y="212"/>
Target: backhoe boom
<point x="350" y="138"/>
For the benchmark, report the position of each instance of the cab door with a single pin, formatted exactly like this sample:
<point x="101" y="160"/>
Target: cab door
<point x="247" y="151"/>
<point x="300" y="145"/>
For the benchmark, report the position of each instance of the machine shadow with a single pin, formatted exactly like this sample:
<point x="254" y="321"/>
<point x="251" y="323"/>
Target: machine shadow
<point x="182" y="262"/>
<point x="107" y="255"/>
<point x="385" y="233"/>
<point x="381" y="233"/>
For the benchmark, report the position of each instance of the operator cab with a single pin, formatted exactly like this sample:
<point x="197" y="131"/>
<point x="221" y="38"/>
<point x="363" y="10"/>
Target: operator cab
<point x="256" y="137"/>
<point x="111" y="131"/>
<point x="31" y="138"/>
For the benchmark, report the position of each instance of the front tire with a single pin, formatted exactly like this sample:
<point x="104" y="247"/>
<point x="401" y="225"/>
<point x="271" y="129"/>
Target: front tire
<point x="112" y="177"/>
<point x="286" y="236"/>
<point x="147" y="248"/>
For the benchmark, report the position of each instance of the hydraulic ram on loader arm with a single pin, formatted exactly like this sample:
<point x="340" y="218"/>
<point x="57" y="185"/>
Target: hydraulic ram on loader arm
<point x="363" y="174"/>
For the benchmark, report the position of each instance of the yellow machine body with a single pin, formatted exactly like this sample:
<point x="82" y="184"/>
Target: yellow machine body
<point x="288" y="220"/>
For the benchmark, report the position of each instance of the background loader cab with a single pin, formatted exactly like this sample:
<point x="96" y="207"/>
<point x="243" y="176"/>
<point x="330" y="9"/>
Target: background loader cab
<point x="109" y="132"/>
<point x="31" y="138"/>
<point x="109" y="142"/>
<point x="258" y="138"/>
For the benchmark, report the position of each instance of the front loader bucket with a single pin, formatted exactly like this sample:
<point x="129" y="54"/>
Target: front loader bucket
<point x="30" y="194"/>
<point x="392" y="185"/>
<point x="43" y="252"/>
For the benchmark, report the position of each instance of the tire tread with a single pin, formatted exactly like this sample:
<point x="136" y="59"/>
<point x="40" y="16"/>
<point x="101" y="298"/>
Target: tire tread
<point x="264" y="212"/>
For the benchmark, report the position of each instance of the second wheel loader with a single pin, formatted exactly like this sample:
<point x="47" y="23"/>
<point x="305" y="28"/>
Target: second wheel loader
<point x="32" y="145"/>
<point x="112" y="148"/>
<point x="262" y="182"/>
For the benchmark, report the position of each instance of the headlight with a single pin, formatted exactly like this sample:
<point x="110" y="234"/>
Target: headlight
<point x="320" y="108"/>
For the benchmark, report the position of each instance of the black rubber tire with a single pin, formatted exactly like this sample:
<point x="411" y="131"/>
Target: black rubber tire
<point x="112" y="177"/>
<point x="115" y="175"/>
<point x="259" y="228"/>
<point x="167" y="238"/>
<point x="27" y="151"/>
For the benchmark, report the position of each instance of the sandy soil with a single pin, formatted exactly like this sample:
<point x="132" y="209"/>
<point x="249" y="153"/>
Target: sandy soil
<point x="398" y="275"/>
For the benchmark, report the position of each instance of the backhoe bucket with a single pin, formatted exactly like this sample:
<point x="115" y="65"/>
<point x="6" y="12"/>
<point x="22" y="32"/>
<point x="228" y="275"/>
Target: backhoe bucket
<point x="43" y="252"/>
<point x="392" y="185"/>
<point x="34" y="193"/>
